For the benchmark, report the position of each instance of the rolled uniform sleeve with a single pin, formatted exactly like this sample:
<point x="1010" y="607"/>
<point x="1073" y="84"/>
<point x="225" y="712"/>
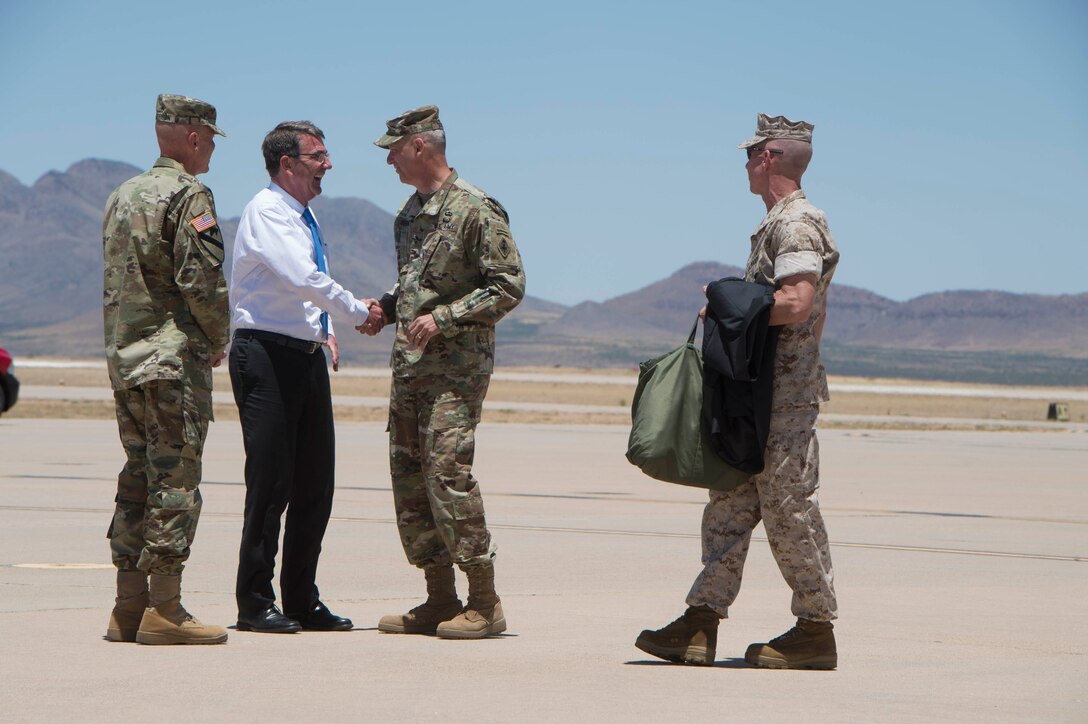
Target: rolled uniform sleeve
<point x="198" y="270"/>
<point x="800" y="251"/>
<point x="489" y="243"/>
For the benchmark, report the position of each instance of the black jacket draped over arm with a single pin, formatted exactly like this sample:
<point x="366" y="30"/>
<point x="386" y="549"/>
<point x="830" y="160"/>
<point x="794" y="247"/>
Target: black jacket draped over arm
<point x="738" y="370"/>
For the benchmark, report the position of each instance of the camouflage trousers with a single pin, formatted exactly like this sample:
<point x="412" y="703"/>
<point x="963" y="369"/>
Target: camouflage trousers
<point x="432" y="440"/>
<point x="163" y="425"/>
<point x="784" y="497"/>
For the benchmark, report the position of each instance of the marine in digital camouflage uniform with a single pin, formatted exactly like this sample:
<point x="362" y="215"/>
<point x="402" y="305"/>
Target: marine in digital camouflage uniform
<point x="166" y="323"/>
<point x="460" y="273"/>
<point x="792" y="249"/>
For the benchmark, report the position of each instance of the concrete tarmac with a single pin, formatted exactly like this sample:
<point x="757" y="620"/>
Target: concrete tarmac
<point x="961" y="563"/>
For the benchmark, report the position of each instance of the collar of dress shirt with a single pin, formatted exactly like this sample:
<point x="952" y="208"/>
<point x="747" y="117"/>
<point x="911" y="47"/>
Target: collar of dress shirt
<point x="287" y="198"/>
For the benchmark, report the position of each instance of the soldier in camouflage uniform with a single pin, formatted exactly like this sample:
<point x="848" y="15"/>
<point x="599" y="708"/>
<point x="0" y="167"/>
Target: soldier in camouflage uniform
<point x="793" y="250"/>
<point x="166" y="326"/>
<point x="460" y="273"/>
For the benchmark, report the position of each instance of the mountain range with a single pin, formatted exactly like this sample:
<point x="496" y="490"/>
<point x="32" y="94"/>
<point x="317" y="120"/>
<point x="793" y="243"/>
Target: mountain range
<point x="50" y="300"/>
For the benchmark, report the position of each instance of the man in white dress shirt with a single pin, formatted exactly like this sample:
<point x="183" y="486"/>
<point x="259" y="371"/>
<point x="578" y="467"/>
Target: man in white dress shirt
<point x="282" y="300"/>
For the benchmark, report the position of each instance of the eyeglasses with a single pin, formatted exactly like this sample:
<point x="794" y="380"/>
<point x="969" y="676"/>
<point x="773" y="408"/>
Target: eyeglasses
<point x="759" y="151"/>
<point x="322" y="156"/>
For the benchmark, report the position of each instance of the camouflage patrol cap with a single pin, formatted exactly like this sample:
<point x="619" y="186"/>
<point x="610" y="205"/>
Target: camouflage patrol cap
<point x="417" y="120"/>
<point x="768" y="127"/>
<point x="170" y="108"/>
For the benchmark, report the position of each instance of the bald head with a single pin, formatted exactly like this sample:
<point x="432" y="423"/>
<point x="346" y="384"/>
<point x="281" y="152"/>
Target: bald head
<point x="189" y="145"/>
<point x="793" y="161"/>
<point x="171" y="136"/>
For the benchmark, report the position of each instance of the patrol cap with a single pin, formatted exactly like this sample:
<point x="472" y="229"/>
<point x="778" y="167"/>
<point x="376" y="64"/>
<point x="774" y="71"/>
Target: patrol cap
<point x="170" y="108"/>
<point x="779" y="127"/>
<point x="417" y="120"/>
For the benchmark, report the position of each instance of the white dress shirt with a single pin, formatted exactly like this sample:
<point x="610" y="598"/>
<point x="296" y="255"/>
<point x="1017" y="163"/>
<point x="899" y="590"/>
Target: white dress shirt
<point x="275" y="285"/>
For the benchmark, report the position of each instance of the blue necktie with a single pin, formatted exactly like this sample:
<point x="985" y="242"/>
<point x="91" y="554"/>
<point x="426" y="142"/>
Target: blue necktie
<point x="319" y="252"/>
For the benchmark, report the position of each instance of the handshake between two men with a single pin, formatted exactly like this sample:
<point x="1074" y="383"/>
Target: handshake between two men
<point x="419" y="333"/>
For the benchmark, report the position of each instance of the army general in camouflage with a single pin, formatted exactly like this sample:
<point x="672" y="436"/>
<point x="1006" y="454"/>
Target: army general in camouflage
<point x="460" y="273"/>
<point x="166" y="326"/>
<point x="792" y="249"/>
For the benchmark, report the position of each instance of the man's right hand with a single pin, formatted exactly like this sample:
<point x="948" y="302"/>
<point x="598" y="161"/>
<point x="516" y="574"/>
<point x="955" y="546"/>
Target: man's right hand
<point x="375" y="318"/>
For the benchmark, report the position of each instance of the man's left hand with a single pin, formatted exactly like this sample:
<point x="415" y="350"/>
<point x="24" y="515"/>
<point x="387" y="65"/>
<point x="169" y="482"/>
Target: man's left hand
<point x="421" y="330"/>
<point x="335" y="349"/>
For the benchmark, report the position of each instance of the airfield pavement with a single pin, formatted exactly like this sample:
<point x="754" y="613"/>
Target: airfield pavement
<point x="961" y="563"/>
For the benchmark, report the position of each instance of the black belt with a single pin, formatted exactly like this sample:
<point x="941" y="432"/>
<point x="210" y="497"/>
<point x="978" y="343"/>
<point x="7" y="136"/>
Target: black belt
<point x="280" y="339"/>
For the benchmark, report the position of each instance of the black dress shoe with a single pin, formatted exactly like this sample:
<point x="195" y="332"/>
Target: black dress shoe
<point x="269" y="620"/>
<point x="320" y="618"/>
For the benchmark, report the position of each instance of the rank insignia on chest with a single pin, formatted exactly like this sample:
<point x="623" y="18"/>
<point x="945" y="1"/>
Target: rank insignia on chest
<point x="203" y="222"/>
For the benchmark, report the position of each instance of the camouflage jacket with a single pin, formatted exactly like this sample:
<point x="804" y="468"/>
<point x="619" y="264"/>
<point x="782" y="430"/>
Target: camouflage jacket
<point x="165" y="296"/>
<point x="457" y="261"/>
<point x="794" y="238"/>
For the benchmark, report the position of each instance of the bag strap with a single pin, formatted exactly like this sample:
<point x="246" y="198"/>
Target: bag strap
<point x="694" y="326"/>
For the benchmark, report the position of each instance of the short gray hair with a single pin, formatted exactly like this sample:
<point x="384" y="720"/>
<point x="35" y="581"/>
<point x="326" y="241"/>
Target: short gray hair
<point x="434" y="139"/>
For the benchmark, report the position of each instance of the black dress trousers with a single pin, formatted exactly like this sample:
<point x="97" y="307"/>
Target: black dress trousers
<point x="285" y="407"/>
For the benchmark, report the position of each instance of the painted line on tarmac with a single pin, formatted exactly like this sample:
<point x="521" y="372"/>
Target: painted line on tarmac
<point x="960" y="551"/>
<point x="636" y="533"/>
<point x="607" y="497"/>
<point x="65" y="566"/>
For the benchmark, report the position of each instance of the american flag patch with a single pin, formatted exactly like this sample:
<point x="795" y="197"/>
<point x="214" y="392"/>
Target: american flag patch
<point x="202" y="223"/>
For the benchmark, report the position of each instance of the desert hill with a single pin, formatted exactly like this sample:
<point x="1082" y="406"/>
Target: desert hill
<point x="50" y="297"/>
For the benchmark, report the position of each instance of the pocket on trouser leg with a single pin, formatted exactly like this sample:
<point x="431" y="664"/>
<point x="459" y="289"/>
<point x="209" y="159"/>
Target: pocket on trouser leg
<point x="415" y="521"/>
<point x="473" y="540"/>
<point x="455" y="495"/>
<point x="196" y="413"/>
<point x="463" y="527"/>
<point x="450" y="455"/>
<point x="171" y="526"/>
<point x="126" y="532"/>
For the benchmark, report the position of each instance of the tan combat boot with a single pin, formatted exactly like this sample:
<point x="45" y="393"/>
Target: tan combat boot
<point x="442" y="604"/>
<point x="690" y="639"/>
<point x="808" y="645"/>
<point x="167" y="622"/>
<point x="483" y="614"/>
<point x="128" y="607"/>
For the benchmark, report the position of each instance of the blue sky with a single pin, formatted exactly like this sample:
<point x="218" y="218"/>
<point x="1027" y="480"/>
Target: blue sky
<point x="951" y="142"/>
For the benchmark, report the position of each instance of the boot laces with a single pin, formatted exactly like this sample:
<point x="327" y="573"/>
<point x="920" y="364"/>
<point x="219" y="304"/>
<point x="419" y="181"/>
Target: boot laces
<point x="475" y="604"/>
<point x="794" y="633"/>
<point x="686" y="620"/>
<point x="423" y="608"/>
<point x="680" y="623"/>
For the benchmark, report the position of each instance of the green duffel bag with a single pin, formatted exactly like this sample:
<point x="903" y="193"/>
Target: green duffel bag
<point x="668" y="441"/>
